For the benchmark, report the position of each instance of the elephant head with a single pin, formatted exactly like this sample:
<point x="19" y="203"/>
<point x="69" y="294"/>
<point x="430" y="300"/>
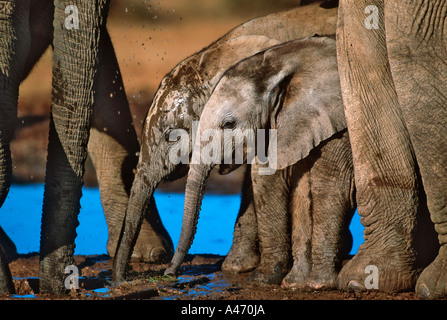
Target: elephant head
<point x="183" y="93"/>
<point x="292" y="88"/>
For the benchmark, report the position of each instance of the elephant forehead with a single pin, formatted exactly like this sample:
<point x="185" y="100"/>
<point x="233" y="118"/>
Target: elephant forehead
<point x="238" y="89"/>
<point x="176" y="99"/>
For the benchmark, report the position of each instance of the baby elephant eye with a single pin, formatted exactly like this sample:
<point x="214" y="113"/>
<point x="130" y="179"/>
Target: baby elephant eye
<point x="229" y="124"/>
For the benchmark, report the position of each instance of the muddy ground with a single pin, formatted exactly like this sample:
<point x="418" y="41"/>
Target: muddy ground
<point x="200" y="278"/>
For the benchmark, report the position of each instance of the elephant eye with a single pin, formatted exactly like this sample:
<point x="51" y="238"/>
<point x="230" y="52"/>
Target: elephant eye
<point x="229" y="124"/>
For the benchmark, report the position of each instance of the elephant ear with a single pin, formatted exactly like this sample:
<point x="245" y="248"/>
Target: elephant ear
<point x="306" y="104"/>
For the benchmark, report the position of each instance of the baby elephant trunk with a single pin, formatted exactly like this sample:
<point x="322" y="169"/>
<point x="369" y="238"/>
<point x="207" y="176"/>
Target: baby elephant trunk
<point x="141" y="197"/>
<point x="195" y="187"/>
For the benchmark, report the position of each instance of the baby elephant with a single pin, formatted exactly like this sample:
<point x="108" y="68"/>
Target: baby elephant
<point x="293" y="90"/>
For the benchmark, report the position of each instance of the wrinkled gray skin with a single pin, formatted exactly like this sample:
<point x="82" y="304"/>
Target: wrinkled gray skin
<point x="309" y="205"/>
<point x="113" y="142"/>
<point x="293" y="88"/>
<point x="321" y="205"/>
<point x="393" y="84"/>
<point x="180" y="100"/>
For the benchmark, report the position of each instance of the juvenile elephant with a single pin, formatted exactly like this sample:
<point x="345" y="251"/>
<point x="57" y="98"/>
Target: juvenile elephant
<point x="80" y="119"/>
<point x="180" y="99"/>
<point x="292" y="88"/>
<point x="393" y="68"/>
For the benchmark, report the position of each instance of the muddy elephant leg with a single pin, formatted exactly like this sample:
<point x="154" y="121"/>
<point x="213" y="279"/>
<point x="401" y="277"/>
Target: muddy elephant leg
<point x="7" y="248"/>
<point x="6" y="284"/>
<point x="15" y="34"/>
<point x="384" y="164"/>
<point x="113" y="147"/>
<point x="113" y="141"/>
<point x="244" y="253"/>
<point x="333" y="204"/>
<point x="301" y="222"/>
<point x="418" y="63"/>
<point x="271" y="196"/>
<point x="20" y="47"/>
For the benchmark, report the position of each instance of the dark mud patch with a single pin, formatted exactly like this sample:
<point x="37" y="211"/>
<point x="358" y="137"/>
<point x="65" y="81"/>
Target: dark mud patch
<point x="200" y="278"/>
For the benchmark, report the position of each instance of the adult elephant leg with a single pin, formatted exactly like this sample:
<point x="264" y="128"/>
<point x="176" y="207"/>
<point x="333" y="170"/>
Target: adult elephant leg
<point x="113" y="147"/>
<point x="74" y="70"/>
<point x="416" y="40"/>
<point x="384" y="165"/>
<point x="14" y="47"/>
<point x="6" y="284"/>
<point x="18" y="52"/>
<point x="113" y="141"/>
<point x="244" y="253"/>
<point x="7" y="119"/>
<point x="271" y="196"/>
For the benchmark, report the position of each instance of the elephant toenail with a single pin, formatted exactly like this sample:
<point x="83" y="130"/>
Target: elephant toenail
<point x="355" y="286"/>
<point x="423" y="291"/>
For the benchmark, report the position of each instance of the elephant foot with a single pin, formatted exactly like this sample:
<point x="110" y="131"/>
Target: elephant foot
<point x="241" y="260"/>
<point x="152" y="246"/>
<point x="147" y="253"/>
<point x="310" y="281"/>
<point x="150" y="252"/>
<point x="295" y="279"/>
<point x="432" y="284"/>
<point x="386" y="271"/>
<point x="321" y="282"/>
<point x="271" y="273"/>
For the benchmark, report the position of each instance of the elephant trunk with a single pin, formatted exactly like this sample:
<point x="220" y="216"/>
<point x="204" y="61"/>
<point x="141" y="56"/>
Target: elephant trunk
<point x="141" y="199"/>
<point x="195" y="187"/>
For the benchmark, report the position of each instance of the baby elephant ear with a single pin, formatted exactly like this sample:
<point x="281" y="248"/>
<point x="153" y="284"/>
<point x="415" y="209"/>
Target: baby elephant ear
<point x="309" y="106"/>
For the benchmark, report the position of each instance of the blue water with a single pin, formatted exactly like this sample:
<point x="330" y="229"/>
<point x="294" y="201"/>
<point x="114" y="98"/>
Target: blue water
<point x="20" y="217"/>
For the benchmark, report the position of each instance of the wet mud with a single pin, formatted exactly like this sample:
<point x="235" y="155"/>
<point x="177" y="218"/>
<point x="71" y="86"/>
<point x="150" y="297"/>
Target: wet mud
<point x="200" y="278"/>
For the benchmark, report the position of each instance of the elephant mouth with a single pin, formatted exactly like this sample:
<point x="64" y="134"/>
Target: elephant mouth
<point x="227" y="168"/>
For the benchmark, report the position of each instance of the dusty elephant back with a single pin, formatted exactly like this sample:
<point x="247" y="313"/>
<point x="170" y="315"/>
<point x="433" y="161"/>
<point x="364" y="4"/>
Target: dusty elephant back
<point x="296" y="23"/>
<point x="185" y="89"/>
